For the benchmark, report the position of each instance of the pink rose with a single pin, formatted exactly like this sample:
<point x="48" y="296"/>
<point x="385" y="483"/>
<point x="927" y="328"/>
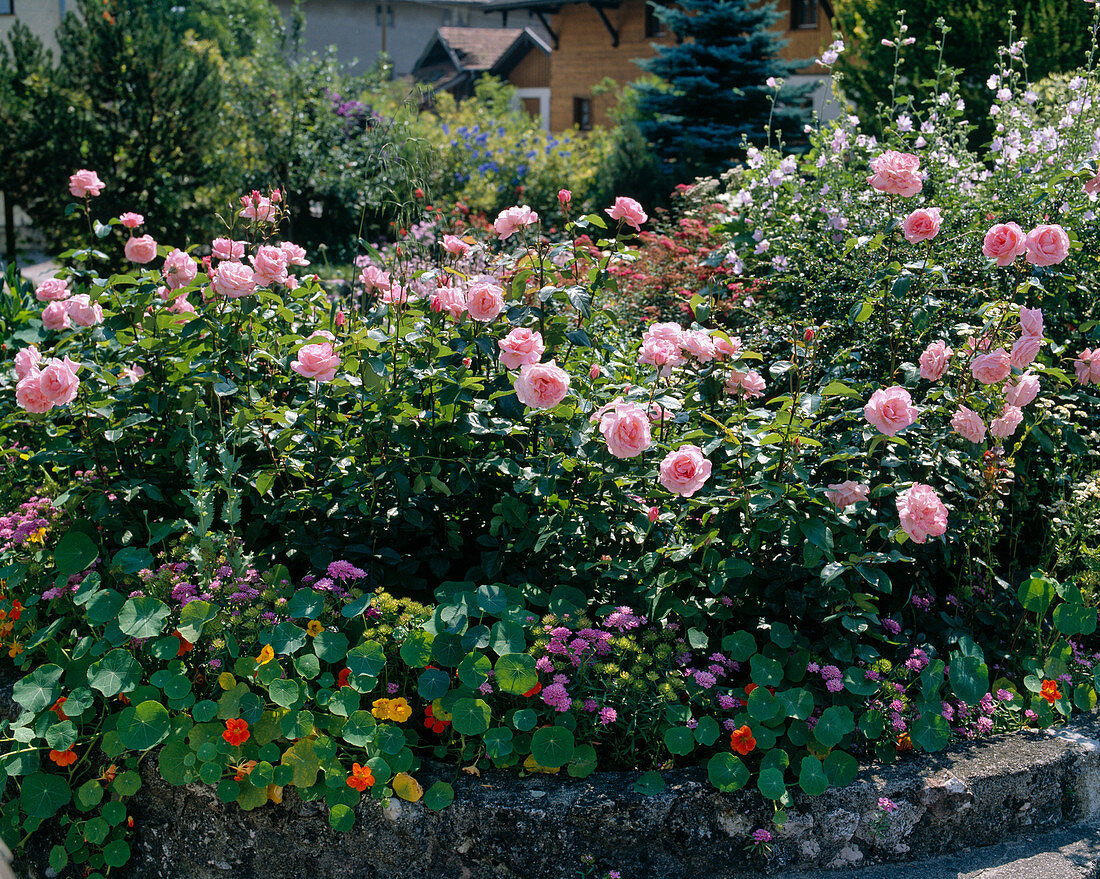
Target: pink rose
<point x="628" y="211"/>
<point x="316" y="361"/>
<point x="58" y="382"/>
<point x="131" y="373"/>
<point x="626" y="429"/>
<point x="846" y="494"/>
<point x="269" y="266"/>
<point x="669" y="332"/>
<point x="1047" y="245"/>
<point x="227" y="248"/>
<point x="684" y="471"/>
<point x="52" y="290"/>
<point x="83" y="311"/>
<point x="521" y="347"/>
<point x="451" y="300"/>
<point x="890" y="410"/>
<point x="564" y="197"/>
<point x="1004" y="426"/>
<point x="745" y="384"/>
<point x="969" y="424"/>
<point x="1025" y="349"/>
<point x="373" y="278"/>
<point x="179" y="269"/>
<point x="84" y="183"/>
<point x="484" y="301"/>
<point x="1092" y="185"/>
<point x="131" y="220"/>
<point x="922" y="513"/>
<point x="1031" y="321"/>
<point x="29" y="396"/>
<point x="27" y="361"/>
<point x="1004" y="242"/>
<point x="1087" y="366"/>
<point x="233" y="279"/>
<point x="396" y="295"/>
<point x="258" y="208"/>
<point x="1023" y="391"/>
<point x="455" y="246"/>
<point x="726" y="347"/>
<point x="921" y="225"/>
<point x="295" y="255"/>
<point x="180" y="305"/>
<point x="896" y="174"/>
<point x="55" y="316"/>
<point x="511" y="220"/>
<point x="541" y="385"/>
<point x="141" y="249"/>
<point x="699" y="345"/>
<point x="935" y="360"/>
<point x="660" y="353"/>
<point x="991" y="368"/>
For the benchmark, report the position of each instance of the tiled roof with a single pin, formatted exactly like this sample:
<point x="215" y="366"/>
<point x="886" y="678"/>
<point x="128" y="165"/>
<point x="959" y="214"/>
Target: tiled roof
<point x="480" y="48"/>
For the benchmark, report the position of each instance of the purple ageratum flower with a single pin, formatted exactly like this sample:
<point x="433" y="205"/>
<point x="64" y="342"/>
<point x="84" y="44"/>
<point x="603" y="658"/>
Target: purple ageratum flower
<point x="812" y="668"/>
<point x="727" y="702"/>
<point x="705" y="679"/>
<point x="834" y="685"/>
<point x="392" y="688"/>
<point x="922" y="602"/>
<point x="831" y="673"/>
<point x="485" y="689"/>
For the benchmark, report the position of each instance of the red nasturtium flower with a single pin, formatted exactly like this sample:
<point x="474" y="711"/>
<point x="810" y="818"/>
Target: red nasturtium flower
<point x="741" y="740"/>
<point x="435" y="724"/>
<point x="1050" y="692"/>
<point x="236" y="732"/>
<point x="342" y="677"/>
<point x="185" y="645"/>
<point x="749" y="688"/>
<point x="63" y="758"/>
<point x="58" y="708"/>
<point x="535" y="690"/>
<point x="361" y="777"/>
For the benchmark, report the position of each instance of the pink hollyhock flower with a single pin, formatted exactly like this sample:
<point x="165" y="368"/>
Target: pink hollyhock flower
<point x="890" y="410"/>
<point x="1087" y="366"/>
<point x="724" y="347"/>
<point x="373" y="278"/>
<point x="922" y="513"/>
<point x="969" y="424"/>
<point x="847" y="494"/>
<point x="316" y="361"/>
<point x="699" y="345"/>
<point x="84" y="183"/>
<point x="52" y="290"/>
<point x="233" y="280"/>
<point x="1004" y="242"/>
<point x="520" y="347"/>
<point x="484" y="300"/>
<point x="511" y="220"/>
<point x="626" y="429"/>
<point x="295" y="254"/>
<point x="29" y="396"/>
<point x="685" y="470"/>
<point x="257" y="208"/>
<point x="83" y="311"/>
<point x="1023" y="391"/>
<point x="227" y="248"/>
<point x="745" y="384"/>
<point x="921" y="225"/>
<point x="1031" y="321"/>
<point x="58" y="382"/>
<point x="627" y="210"/>
<point x="55" y="316"/>
<point x="140" y="249"/>
<point x="27" y="361"/>
<point x="1047" y="245"/>
<point x="935" y="360"/>
<point x="896" y="174"/>
<point x="991" y="368"/>
<point x="1025" y="349"/>
<point x="541" y="385"/>
<point x="455" y="246"/>
<point x="131" y="220"/>
<point x="179" y="269"/>
<point x="1004" y="426"/>
<point x="269" y="266"/>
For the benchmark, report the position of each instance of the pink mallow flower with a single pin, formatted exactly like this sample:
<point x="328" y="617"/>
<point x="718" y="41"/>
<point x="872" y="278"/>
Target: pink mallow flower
<point x="890" y="410"/>
<point x="896" y="174"/>
<point x="922" y="513"/>
<point x="685" y="470"/>
<point x="626" y="430"/>
<point x="316" y="361"/>
<point x="847" y="494"/>
<point x="520" y="347"/>
<point x="921" y="225"/>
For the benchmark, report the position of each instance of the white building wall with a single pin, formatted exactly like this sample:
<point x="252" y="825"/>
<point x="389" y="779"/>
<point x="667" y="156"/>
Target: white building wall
<point x="41" y="16"/>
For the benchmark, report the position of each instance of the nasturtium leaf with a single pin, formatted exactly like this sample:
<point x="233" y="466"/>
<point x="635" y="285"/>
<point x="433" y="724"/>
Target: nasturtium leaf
<point x="498" y="742"/>
<point x="116" y="853"/>
<point x="96" y="830"/>
<point x="305" y="604"/>
<point x="1074" y="619"/>
<point x="771" y="784"/>
<point x="649" y="783"/>
<point x="416" y="649"/>
<point x="39" y="689"/>
<point x="516" y="673"/>
<point x="143" y="617"/>
<point x="969" y="678"/>
<point x="357" y="607"/>
<point x="302" y="759"/>
<point x="133" y="559"/>
<point x="359" y="728"/>
<point x="471" y="717"/>
<point x="707" y="731"/>
<point x="872" y="724"/>
<point x="492" y="599"/>
<point x="931" y="732"/>
<point x="170" y="762"/>
<point x="43" y="794"/>
<point x="762" y="705"/>
<point x="61" y="736"/>
<point x="143" y="726"/>
<point x="552" y="746"/>
<point x="439" y="796"/>
<point x="474" y="670"/>
<point x="89" y="795"/>
<point x="331" y="646"/>
<point x="194" y="616"/>
<point x="283" y="691"/>
<point x="856" y="681"/>
<point x="204" y="710"/>
<point x="524" y="720"/>
<point x="432" y="684"/>
<point x="390" y="739"/>
<point x="797" y="703"/>
<point x="114" y="812"/>
<point x="840" y="768"/>
<point x="228" y="790"/>
<point x="307" y="665"/>
<point x="835" y="723"/>
<point x="1036" y="594"/>
<point x="679" y="740"/>
<point x="287" y="638"/>
<point x="74" y="552"/>
<point x="367" y="658"/>
<point x="726" y="772"/>
<point x="104" y="607"/>
<point x="811" y="777"/>
<point x="407" y="787"/>
<point x="765" y="672"/>
<point x="583" y="763"/>
<point x="341" y="818"/>
<point x="447" y="649"/>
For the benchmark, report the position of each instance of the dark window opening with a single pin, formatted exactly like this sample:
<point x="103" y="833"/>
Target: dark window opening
<point x="654" y="27"/>
<point x="378" y="15"/>
<point x="803" y="14"/>
<point x="7" y="7"/>
<point x="582" y="113"/>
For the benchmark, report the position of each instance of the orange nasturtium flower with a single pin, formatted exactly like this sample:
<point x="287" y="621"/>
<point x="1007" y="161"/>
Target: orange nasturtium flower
<point x="236" y="732"/>
<point x="58" y="708"/>
<point x="16" y="610"/>
<point x="361" y="777"/>
<point x="15" y="649"/>
<point x="266" y="655"/>
<point x="397" y="710"/>
<point x="315" y="627"/>
<point x="63" y="758"/>
<point x="342" y="677"/>
<point x="1049" y="691"/>
<point x="185" y="645"/>
<point x="741" y="740"/>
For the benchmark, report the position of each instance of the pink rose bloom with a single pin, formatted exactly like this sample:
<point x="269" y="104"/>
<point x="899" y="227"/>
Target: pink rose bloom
<point x="58" y="382"/>
<point x="1025" y="349"/>
<point x="658" y="413"/>
<point x="227" y="248"/>
<point x="295" y="254"/>
<point x="1023" y="391"/>
<point x="316" y="361"/>
<point x="991" y="368"/>
<point x="846" y="494"/>
<point x="724" y="347"/>
<point x="29" y="396"/>
<point x="396" y="295"/>
<point x="180" y="305"/>
<point x="131" y="220"/>
<point x="55" y="316"/>
<point x="541" y="385"/>
<point x="746" y="384"/>
<point x="935" y="360"/>
<point x="484" y="301"/>
<point x="455" y="246"/>
<point x="626" y="429"/>
<point x="1004" y="426"/>
<point x="83" y="311"/>
<point x="233" y="280"/>
<point x="511" y="220"/>
<point x="451" y="300"/>
<point x="921" y="225"/>
<point x="896" y="174"/>
<point x="322" y="334"/>
<point x="891" y="410"/>
<point x="1047" y="245"/>
<point x="922" y="513"/>
<point x="969" y="424"/>
<point x="269" y="266"/>
<point x="521" y="347"/>
<point x="660" y="353"/>
<point x="141" y="249"/>
<point x="179" y="269"/>
<point x="1087" y="366"/>
<point x="1004" y="242"/>
<point x="257" y="208"/>
<point x="684" y="471"/>
<point x="1092" y="186"/>
<point x="628" y="211"/>
<point x="52" y="290"/>
<point x="565" y="196"/>
<point x="373" y="278"/>
<point x="131" y="373"/>
<point x="84" y="183"/>
<point x="699" y="345"/>
<point x="1031" y="321"/>
<point x="669" y="332"/>
<point x="27" y="361"/>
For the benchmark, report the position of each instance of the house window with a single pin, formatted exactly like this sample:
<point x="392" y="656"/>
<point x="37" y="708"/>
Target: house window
<point x="7" y="7"/>
<point x="654" y="27"/>
<point x="803" y="14"/>
<point x="447" y="17"/>
<point x="378" y="15"/>
<point x="582" y="113"/>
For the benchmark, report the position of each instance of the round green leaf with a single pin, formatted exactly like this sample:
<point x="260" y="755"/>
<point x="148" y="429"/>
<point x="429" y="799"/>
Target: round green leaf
<point x="331" y="646"/>
<point x="359" y="728"/>
<point x="707" y="731"/>
<point x="416" y="649"/>
<point x="583" y="763"/>
<point x="835" y="723"/>
<point x="439" y="796"/>
<point x="283" y="691"/>
<point x="740" y="646"/>
<point x="133" y="559"/>
<point x="116" y="853"/>
<point x="74" y="552"/>
<point x="471" y="717"/>
<point x="969" y="678"/>
<point x="771" y="783"/>
<point x="42" y="795"/>
<point x="89" y="795"/>
<point x="306" y="604"/>
<point x="841" y="768"/>
<point x="143" y="617"/>
<point x="552" y="746"/>
<point x="341" y="818"/>
<point x="931" y="732"/>
<point x="433" y="684"/>
<point x="765" y="672"/>
<point x="287" y="639"/>
<point x="515" y="673"/>
<point x="39" y="689"/>
<point x="144" y="726"/>
<point x="679" y="740"/>
<point x="811" y="777"/>
<point x="649" y="783"/>
<point x="726" y="772"/>
<point x="498" y="742"/>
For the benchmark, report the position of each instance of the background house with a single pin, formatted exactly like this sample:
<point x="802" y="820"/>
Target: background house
<point x="41" y="16"/>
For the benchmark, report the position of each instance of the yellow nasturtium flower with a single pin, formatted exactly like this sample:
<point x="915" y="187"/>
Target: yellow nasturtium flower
<point x="315" y="628"/>
<point x="397" y="710"/>
<point x="266" y="655"/>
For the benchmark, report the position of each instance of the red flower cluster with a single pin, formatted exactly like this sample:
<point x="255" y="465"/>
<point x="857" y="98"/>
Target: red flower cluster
<point x="435" y="724"/>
